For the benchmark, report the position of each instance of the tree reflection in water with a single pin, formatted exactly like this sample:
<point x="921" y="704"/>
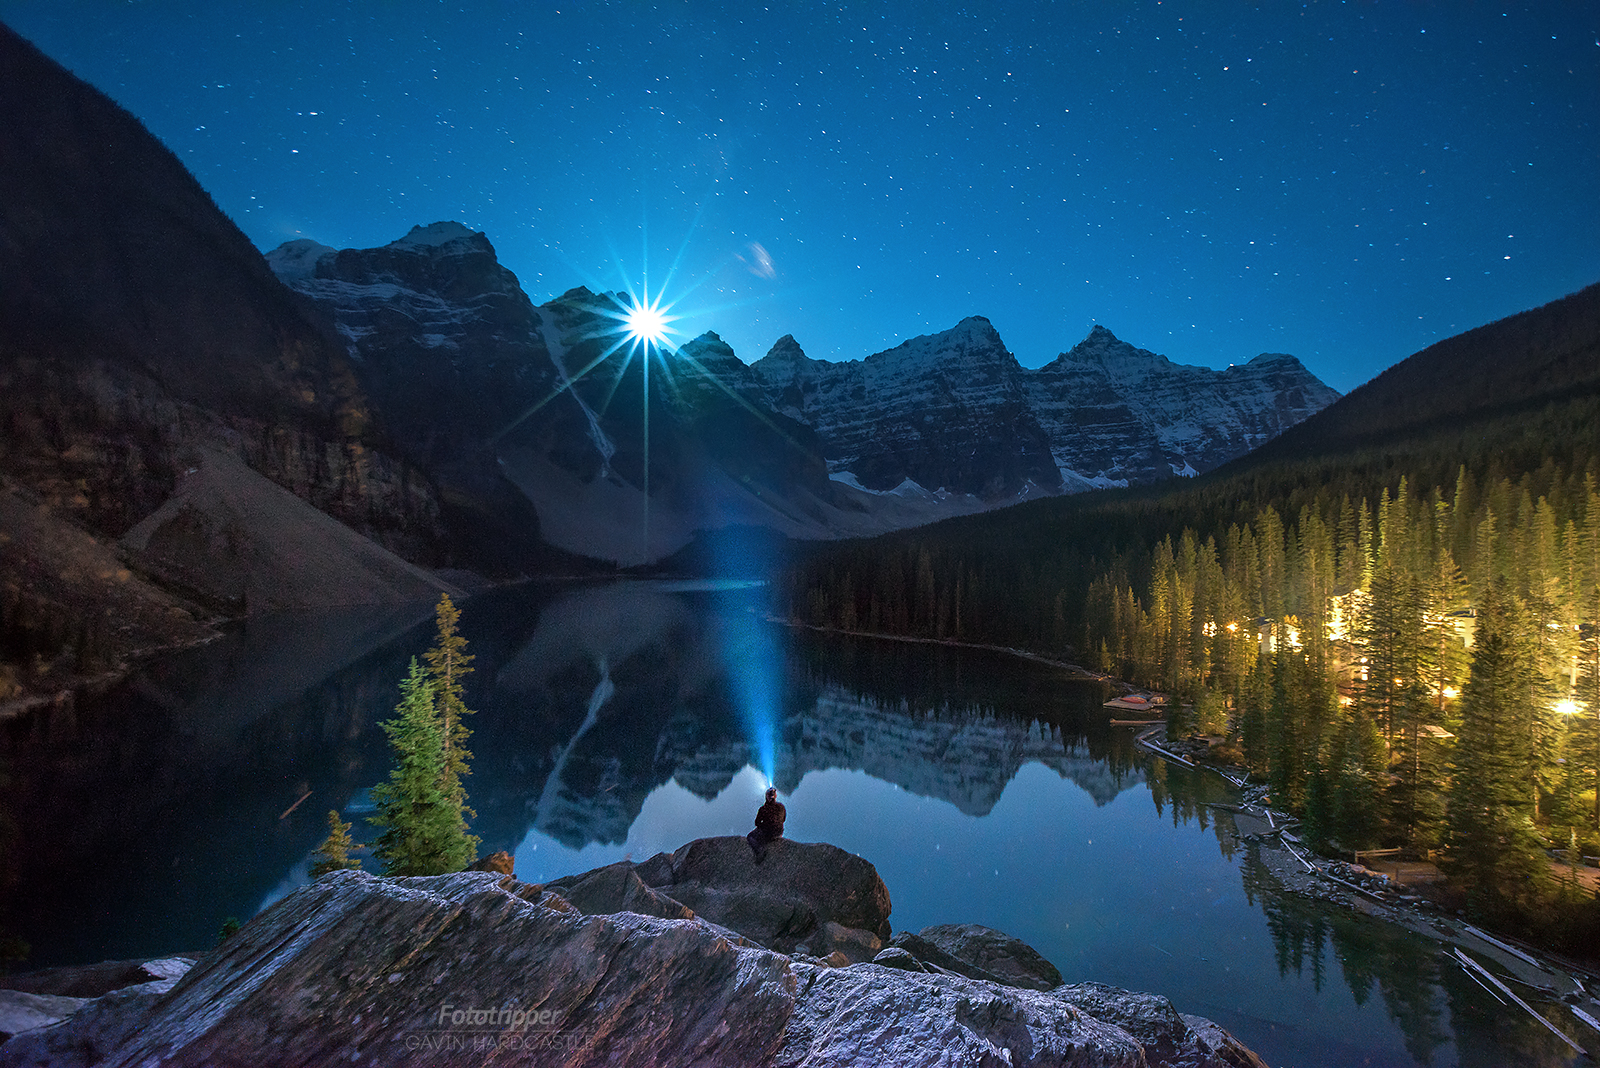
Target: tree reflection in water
<point x="1430" y="997"/>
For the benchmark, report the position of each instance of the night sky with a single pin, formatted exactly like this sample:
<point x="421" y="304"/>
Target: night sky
<point x="1347" y="182"/>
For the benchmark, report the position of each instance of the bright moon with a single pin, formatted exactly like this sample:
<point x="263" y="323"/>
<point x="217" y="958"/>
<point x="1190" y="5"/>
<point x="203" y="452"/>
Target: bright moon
<point x="646" y="323"/>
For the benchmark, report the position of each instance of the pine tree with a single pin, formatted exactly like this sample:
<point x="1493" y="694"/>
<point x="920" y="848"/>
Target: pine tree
<point x="1356" y="766"/>
<point x="448" y="664"/>
<point x="1253" y="717"/>
<point x="1496" y="852"/>
<point x="1584" y="741"/>
<point x="334" y="852"/>
<point x="1285" y="772"/>
<point x="423" y="823"/>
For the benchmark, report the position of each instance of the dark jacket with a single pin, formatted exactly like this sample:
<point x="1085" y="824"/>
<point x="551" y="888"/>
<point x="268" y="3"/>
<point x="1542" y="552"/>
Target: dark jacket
<point x="769" y="820"/>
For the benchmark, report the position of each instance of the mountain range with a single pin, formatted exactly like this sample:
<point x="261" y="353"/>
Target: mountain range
<point x="457" y="356"/>
<point x="182" y="414"/>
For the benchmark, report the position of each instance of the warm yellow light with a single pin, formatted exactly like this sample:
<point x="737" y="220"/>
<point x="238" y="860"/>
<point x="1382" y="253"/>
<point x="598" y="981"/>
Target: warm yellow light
<point x="1567" y="707"/>
<point x="1233" y="626"/>
<point x="1451" y="692"/>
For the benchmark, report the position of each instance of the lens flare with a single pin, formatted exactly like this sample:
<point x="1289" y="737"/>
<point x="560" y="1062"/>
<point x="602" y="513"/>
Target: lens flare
<point x="630" y="324"/>
<point x="645" y="322"/>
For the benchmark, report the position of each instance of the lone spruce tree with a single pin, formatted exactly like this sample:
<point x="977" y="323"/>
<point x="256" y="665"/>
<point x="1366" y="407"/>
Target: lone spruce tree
<point x="334" y="852"/>
<point x="448" y="664"/>
<point x="421" y="809"/>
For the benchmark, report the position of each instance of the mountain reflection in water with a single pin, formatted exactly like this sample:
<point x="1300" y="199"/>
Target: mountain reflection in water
<point x="985" y="788"/>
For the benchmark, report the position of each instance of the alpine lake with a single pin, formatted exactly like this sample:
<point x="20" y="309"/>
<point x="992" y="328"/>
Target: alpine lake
<point x="621" y="719"/>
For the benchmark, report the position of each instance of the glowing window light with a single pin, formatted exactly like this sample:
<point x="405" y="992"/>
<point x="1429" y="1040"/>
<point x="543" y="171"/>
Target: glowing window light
<point x="1567" y="707"/>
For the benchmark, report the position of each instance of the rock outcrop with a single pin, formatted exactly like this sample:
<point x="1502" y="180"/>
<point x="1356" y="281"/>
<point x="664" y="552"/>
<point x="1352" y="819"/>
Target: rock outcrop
<point x="800" y="887"/>
<point x="946" y="411"/>
<point x="478" y="968"/>
<point x="1116" y="414"/>
<point x="981" y="953"/>
<point x="806" y="895"/>
<point x="956" y="411"/>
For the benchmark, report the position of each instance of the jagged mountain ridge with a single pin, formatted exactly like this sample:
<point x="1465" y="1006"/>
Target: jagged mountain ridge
<point x="475" y="380"/>
<point x="944" y="424"/>
<point x="1103" y="414"/>
<point x="947" y="411"/>
<point x="445" y="336"/>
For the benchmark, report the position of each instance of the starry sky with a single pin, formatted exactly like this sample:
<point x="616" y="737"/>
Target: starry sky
<point x="1344" y="181"/>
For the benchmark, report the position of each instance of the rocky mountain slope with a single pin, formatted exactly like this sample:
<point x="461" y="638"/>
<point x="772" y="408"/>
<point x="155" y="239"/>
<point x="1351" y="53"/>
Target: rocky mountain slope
<point x="483" y="389"/>
<point x="1116" y="414"/>
<point x="138" y="327"/>
<point x="955" y="410"/>
<point x="947" y="411"/>
<point x="462" y="364"/>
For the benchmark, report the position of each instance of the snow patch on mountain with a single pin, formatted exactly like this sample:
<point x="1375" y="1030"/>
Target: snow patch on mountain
<point x="298" y="259"/>
<point x="468" y="372"/>
<point x="956" y="409"/>
<point x="436" y="234"/>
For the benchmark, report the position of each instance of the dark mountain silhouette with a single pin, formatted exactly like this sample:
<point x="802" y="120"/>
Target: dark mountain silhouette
<point x="1516" y="365"/>
<point x="111" y="251"/>
<point x="140" y="334"/>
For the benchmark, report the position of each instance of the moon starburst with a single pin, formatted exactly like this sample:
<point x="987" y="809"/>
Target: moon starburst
<point x="645" y="322"/>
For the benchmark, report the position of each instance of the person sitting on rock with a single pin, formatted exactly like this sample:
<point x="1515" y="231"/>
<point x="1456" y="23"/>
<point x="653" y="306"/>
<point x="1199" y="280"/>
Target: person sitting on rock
<point x="769" y="825"/>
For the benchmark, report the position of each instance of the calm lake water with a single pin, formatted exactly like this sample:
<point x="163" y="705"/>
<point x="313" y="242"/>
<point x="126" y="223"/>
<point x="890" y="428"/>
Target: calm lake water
<point x="625" y="719"/>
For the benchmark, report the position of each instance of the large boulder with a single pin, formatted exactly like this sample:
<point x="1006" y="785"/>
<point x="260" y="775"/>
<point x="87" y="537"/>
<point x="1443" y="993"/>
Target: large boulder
<point x="95" y="1034"/>
<point x="1168" y="1037"/>
<point x="982" y="953"/>
<point x="499" y="861"/>
<point x="467" y="968"/>
<point x="852" y="944"/>
<point x="93" y="980"/>
<point x="20" y="1011"/>
<point x="868" y="1016"/>
<point x="617" y="888"/>
<point x="479" y="969"/>
<point x="780" y="903"/>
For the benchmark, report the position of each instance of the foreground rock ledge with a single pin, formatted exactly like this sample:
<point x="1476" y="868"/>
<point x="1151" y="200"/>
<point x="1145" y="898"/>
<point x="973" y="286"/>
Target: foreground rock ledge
<point x="478" y="968"/>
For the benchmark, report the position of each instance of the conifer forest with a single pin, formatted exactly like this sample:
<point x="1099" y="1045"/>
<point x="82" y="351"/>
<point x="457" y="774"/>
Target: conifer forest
<point x="1408" y="656"/>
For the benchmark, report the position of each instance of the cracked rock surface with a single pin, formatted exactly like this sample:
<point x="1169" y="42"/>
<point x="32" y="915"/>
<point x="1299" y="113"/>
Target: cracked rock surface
<point x="479" y="968"/>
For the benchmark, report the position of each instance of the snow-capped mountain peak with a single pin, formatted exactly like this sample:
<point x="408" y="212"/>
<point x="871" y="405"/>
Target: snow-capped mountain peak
<point x="455" y="355"/>
<point x="435" y="234"/>
<point x="298" y="259"/>
<point x="1105" y="413"/>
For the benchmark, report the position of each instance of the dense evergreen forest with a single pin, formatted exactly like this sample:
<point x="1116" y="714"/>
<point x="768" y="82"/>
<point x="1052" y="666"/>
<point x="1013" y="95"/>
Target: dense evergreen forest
<point x="1392" y="617"/>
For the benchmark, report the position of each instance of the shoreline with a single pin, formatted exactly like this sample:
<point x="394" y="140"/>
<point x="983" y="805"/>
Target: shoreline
<point x="1549" y="980"/>
<point x="1554" y="977"/>
<point x="1078" y="670"/>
